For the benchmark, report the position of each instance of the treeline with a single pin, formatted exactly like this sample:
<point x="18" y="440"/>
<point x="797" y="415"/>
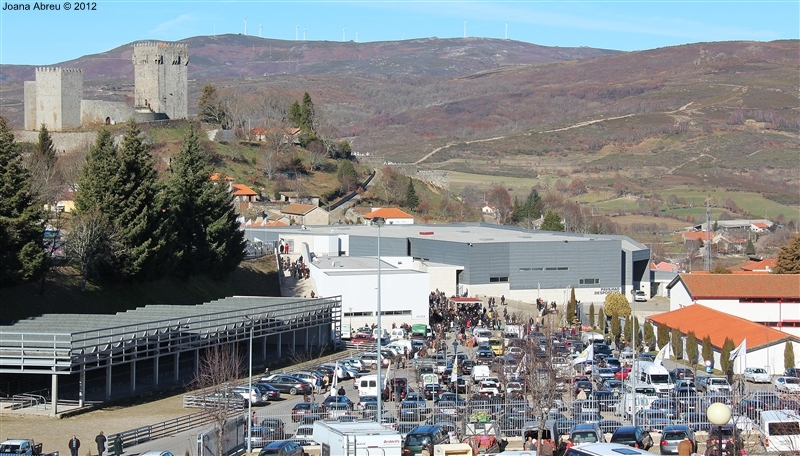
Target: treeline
<point x="128" y="224"/>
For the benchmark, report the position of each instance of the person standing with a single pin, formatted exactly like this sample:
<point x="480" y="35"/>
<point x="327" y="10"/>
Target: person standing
<point x="100" y="440"/>
<point x="117" y="445"/>
<point x="74" y="445"/>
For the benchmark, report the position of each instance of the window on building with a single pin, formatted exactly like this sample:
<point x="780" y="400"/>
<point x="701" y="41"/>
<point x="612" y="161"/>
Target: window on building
<point x="396" y="312"/>
<point x="589" y="281"/>
<point x="498" y="279"/>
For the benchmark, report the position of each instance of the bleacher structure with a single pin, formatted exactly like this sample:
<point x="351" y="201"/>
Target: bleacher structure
<point x="164" y="341"/>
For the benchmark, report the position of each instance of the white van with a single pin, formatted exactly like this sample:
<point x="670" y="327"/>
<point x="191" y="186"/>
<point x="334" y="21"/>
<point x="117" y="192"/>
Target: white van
<point x="398" y="333"/>
<point x="592" y="337"/>
<point x="368" y="385"/>
<point x="375" y="333"/>
<point x="401" y="344"/>
<point x="655" y="376"/>
<point x="780" y="431"/>
<point x="480" y="373"/>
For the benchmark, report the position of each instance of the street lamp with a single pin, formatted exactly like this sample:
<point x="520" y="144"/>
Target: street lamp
<point x="351" y="322"/>
<point x="379" y="221"/>
<point x="719" y="414"/>
<point x="250" y="389"/>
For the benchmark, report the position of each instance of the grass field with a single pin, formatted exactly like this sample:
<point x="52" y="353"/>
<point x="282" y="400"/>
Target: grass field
<point x="753" y="203"/>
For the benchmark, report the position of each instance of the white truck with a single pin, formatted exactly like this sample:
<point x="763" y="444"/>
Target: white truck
<point x="21" y="447"/>
<point x="780" y="431"/>
<point x="356" y="438"/>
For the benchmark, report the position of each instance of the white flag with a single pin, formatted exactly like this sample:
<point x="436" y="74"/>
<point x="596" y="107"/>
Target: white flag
<point x="663" y="353"/>
<point x="740" y="350"/>
<point x="586" y="355"/>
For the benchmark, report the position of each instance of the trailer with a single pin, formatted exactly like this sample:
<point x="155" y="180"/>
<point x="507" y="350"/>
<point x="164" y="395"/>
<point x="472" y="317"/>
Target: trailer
<point x="357" y="438"/>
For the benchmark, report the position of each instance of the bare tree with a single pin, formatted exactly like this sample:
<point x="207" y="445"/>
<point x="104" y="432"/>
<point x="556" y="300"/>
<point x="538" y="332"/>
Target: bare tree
<point x="216" y="377"/>
<point x="70" y="166"/>
<point x="316" y="154"/>
<point x="501" y="200"/>
<point x="92" y="243"/>
<point x="274" y="146"/>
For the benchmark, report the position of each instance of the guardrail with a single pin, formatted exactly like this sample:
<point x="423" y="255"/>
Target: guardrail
<point x="26" y="400"/>
<point x="163" y="429"/>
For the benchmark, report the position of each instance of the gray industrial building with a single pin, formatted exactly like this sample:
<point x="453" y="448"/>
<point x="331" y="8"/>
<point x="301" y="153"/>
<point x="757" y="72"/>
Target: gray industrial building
<point x="497" y="260"/>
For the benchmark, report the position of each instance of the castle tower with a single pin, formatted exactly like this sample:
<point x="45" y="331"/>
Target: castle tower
<point x="58" y="99"/>
<point x="160" y="78"/>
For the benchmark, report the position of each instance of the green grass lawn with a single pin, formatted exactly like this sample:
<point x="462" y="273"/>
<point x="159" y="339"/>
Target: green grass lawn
<point x="751" y="202"/>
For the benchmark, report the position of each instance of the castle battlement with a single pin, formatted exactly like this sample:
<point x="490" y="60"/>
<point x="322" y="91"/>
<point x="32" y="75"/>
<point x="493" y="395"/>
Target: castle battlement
<point x="160" y="44"/>
<point x="58" y="70"/>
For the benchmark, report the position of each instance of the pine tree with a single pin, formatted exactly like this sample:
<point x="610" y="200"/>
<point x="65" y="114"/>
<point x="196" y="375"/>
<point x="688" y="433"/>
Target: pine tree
<point x="677" y="343"/>
<point x="136" y="216"/>
<point x="552" y="222"/>
<point x="591" y="315"/>
<point x="638" y="331"/>
<point x="572" y="307"/>
<point x="750" y="249"/>
<point x="307" y="113"/>
<point x="663" y="335"/>
<point x="22" y="257"/>
<point x="788" y="355"/>
<point x="208" y="238"/>
<point x="602" y="318"/>
<point x="691" y="347"/>
<point x="708" y="349"/>
<point x="628" y="329"/>
<point x="615" y="325"/>
<point x="412" y="200"/>
<point x="789" y="257"/>
<point x="724" y="358"/>
<point x="649" y="336"/>
<point x="42" y="169"/>
<point x="97" y="176"/>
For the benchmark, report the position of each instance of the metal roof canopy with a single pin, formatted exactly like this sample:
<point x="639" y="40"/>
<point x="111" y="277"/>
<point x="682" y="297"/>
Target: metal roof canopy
<point x="49" y="344"/>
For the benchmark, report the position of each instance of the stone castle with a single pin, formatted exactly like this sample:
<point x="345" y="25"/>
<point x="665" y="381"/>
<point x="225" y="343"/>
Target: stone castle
<point x="55" y="98"/>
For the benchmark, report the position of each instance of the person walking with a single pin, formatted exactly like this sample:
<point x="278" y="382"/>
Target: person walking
<point x="685" y="448"/>
<point x="117" y="445"/>
<point x="74" y="445"/>
<point x="100" y="440"/>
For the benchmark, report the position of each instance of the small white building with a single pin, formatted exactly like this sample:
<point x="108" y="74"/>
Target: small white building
<point x="767" y="299"/>
<point x="391" y="215"/>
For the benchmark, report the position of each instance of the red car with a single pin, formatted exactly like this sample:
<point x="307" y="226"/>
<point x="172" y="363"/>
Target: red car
<point x="362" y="339"/>
<point x="623" y="373"/>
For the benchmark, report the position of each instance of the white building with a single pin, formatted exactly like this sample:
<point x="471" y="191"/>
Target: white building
<point x="765" y="346"/>
<point x="391" y="215"/>
<point x="771" y="300"/>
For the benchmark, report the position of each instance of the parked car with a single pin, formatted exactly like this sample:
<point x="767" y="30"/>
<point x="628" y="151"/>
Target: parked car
<point x="757" y="375"/>
<point x="623" y="373"/>
<point x="330" y="400"/>
<point x="253" y="394"/>
<point x="287" y="384"/>
<point x="303" y="408"/>
<point x="793" y="372"/>
<point x="673" y="435"/>
<point x="713" y="384"/>
<point x="633" y="436"/>
<point x="584" y="433"/>
<point x="304" y="435"/>
<point x="268" y="392"/>
<point x="282" y="448"/>
<point x="787" y="384"/>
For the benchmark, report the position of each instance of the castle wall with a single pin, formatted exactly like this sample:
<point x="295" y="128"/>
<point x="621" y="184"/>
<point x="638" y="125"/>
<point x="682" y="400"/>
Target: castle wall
<point x="64" y="142"/>
<point x="161" y="78"/>
<point x="29" y="99"/>
<point x="58" y="98"/>
<point x="97" y="112"/>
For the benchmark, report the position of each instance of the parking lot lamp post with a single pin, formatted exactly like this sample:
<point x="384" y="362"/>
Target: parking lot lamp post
<point x="351" y="323"/>
<point x="718" y="414"/>
<point x="250" y="389"/>
<point x="379" y="221"/>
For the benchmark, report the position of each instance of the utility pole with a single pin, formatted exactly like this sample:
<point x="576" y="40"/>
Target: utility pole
<point x="707" y="256"/>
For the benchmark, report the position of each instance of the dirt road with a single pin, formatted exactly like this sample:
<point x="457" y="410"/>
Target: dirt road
<point x="54" y="433"/>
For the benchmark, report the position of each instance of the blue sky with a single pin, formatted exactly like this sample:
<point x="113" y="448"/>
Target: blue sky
<point x="44" y="38"/>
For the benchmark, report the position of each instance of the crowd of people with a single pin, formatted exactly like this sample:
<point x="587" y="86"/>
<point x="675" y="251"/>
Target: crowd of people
<point x="297" y="269"/>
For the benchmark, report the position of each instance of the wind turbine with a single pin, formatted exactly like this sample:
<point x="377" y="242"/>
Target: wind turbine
<point x="465" y="29"/>
<point x="304" y="34"/>
<point x="344" y="30"/>
<point x="356" y="37"/>
<point x="506" y="30"/>
<point x="259" y="30"/>
<point x="245" y="27"/>
<point x="296" y="28"/>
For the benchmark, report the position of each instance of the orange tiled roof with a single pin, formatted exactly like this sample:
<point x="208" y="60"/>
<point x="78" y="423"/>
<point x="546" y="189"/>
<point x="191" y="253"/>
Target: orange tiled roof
<point x="664" y="266"/>
<point x="298" y="209"/>
<point x="719" y="325"/>
<point x="243" y="190"/>
<point x="741" y="286"/>
<point x="388" y="213"/>
<point x="761" y="225"/>
<point x="216" y="177"/>
<point x="275" y="223"/>
<point x="697" y="235"/>
<point x="759" y="265"/>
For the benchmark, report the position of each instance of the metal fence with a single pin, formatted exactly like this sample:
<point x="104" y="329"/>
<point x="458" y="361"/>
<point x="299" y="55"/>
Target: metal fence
<point x="163" y="429"/>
